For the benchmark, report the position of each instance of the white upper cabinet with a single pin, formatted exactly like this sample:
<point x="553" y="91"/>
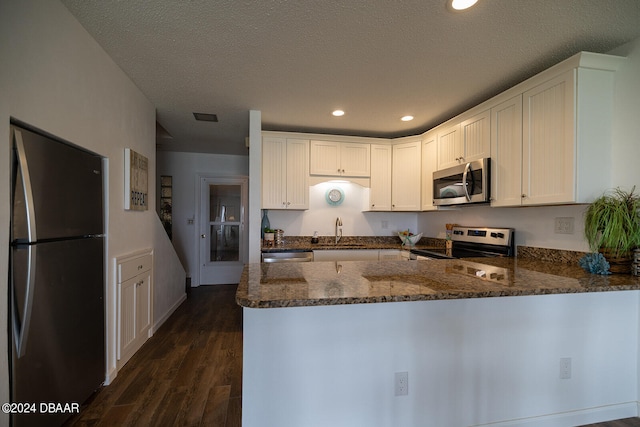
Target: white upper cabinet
<point x="449" y="147"/>
<point x="406" y="176"/>
<point x="552" y="144"/>
<point x="466" y="141"/>
<point x="380" y="192"/>
<point x="429" y="165"/>
<point x="548" y="152"/>
<point x="285" y="173"/>
<point x="506" y="153"/>
<point x="331" y="158"/>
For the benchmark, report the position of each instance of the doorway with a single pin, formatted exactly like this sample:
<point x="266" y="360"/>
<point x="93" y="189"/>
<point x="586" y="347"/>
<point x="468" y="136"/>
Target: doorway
<point x="222" y="218"/>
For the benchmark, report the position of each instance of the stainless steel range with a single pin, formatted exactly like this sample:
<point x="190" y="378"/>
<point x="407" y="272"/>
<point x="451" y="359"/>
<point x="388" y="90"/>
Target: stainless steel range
<point x="472" y="242"/>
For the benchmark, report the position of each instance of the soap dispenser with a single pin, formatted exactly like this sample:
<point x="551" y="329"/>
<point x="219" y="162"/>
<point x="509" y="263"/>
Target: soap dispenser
<point x="314" y="239"/>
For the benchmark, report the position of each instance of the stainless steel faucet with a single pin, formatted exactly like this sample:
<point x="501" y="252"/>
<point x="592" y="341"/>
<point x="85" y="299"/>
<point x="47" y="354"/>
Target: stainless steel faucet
<point x="338" y="224"/>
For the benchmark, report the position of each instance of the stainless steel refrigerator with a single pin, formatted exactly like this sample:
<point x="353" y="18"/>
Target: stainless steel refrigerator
<point x="56" y="295"/>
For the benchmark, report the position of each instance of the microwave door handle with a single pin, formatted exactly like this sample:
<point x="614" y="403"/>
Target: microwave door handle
<point x="464" y="181"/>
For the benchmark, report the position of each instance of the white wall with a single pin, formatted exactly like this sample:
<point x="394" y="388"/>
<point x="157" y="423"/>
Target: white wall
<point x="55" y="77"/>
<point x="534" y="226"/>
<point x="321" y="216"/>
<point x="184" y="168"/>
<point x="470" y="362"/>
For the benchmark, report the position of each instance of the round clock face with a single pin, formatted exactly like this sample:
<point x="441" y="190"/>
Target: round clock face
<point x="335" y="196"/>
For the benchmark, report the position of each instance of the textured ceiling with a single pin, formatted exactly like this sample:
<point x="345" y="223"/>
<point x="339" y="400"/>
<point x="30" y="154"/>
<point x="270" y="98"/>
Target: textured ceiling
<point x="296" y="61"/>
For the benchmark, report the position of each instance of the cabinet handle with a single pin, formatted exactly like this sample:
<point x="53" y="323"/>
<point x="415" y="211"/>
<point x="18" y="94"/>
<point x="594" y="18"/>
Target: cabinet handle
<point x="373" y="205"/>
<point x="342" y="170"/>
<point x="202" y="236"/>
<point x="524" y="195"/>
<point x="288" y="203"/>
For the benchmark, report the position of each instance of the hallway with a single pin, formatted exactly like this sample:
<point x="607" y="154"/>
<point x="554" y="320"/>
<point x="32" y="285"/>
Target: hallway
<point x="189" y="373"/>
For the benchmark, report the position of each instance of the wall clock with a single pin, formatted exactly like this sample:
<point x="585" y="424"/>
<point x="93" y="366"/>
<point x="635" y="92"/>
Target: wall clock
<point x="335" y="196"/>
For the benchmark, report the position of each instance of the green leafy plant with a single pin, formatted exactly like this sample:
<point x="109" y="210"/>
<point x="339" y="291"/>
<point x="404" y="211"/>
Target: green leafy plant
<point x="612" y="222"/>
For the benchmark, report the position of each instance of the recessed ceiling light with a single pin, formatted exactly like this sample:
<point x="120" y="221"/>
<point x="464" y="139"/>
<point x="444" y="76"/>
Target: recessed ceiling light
<point x="338" y="113"/>
<point x="462" y="4"/>
<point x="406" y="118"/>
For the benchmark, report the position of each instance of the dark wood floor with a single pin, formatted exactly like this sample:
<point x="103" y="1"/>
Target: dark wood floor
<point x="189" y="373"/>
<point x="627" y="422"/>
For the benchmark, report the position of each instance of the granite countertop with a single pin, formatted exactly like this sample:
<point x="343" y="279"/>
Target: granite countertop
<point x="303" y="243"/>
<point x="360" y="282"/>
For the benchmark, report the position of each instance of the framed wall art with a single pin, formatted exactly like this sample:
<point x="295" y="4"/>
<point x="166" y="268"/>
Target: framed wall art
<point x="136" y="181"/>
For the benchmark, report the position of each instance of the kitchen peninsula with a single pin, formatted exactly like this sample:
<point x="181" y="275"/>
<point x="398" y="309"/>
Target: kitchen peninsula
<point x="480" y="339"/>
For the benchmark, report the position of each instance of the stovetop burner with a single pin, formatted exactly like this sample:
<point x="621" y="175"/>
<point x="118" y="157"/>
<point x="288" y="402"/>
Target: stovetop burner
<point x="474" y="242"/>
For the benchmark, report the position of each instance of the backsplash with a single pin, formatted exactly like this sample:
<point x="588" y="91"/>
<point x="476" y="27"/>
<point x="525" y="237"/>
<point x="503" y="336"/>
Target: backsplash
<point x="551" y="255"/>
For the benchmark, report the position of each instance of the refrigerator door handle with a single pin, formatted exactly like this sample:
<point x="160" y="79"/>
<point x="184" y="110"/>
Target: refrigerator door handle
<point x="26" y="185"/>
<point x="21" y="326"/>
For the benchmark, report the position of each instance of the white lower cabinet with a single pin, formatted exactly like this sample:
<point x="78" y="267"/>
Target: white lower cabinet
<point x="134" y="274"/>
<point x="390" y="255"/>
<point x="356" y="255"/>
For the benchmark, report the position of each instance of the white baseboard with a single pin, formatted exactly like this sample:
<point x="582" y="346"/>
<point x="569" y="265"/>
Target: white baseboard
<point x="574" y="418"/>
<point x="111" y="375"/>
<point x="168" y="314"/>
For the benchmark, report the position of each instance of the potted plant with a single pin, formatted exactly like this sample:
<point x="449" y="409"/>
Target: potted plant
<point x="612" y="227"/>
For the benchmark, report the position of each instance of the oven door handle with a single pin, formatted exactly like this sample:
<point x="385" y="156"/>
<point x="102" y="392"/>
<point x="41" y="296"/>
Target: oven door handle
<point x="467" y="168"/>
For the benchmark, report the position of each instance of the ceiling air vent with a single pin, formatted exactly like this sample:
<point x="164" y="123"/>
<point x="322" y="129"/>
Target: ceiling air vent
<point x="205" y="117"/>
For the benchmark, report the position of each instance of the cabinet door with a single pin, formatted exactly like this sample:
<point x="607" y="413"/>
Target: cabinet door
<point x="406" y="174"/>
<point x="127" y="317"/>
<point x="476" y="137"/>
<point x="548" y="154"/>
<point x="506" y="153"/>
<point x="449" y="147"/>
<point x="274" y="173"/>
<point x="143" y="306"/>
<point x="297" y="174"/>
<point x="380" y="193"/>
<point x="325" y="158"/>
<point x="355" y="159"/>
<point x="429" y="165"/>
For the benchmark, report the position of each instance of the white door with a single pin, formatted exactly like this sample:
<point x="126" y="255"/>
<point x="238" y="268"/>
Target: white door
<point x="223" y="244"/>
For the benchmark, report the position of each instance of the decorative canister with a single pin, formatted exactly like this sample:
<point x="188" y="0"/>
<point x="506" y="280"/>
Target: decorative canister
<point x="279" y="236"/>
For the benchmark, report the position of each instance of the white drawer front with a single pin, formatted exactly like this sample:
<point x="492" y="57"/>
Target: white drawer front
<point x="132" y="267"/>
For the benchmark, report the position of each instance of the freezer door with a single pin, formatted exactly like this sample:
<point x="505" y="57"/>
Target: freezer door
<point x="61" y="329"/>
<point x="57" y="191"/>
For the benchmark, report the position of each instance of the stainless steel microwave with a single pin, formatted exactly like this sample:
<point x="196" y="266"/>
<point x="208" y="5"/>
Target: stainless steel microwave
<point x="462" y="184"/>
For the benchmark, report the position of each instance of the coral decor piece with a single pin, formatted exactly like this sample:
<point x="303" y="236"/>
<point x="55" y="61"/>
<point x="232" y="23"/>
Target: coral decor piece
<point x="595" y="263"/>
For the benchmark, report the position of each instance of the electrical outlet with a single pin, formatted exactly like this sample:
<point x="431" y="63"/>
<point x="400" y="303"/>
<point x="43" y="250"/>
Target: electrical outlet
<point x="565" y="368"/>
<point x="385" y="225"/>
<point x="402" y="383"/>
<point x="564" y="225"/>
